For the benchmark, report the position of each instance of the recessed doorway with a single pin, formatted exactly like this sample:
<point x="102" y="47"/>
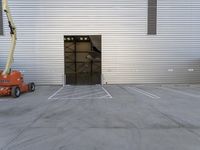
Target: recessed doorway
<point x="82" y="59"/>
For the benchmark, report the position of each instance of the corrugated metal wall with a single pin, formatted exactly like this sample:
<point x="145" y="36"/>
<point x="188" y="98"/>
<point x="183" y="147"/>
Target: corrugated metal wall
<point x="1" y="19"/>
<point x="129" y="54"/>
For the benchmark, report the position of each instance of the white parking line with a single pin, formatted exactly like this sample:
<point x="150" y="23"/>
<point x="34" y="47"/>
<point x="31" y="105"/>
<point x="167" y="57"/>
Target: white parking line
<point x="180" y="92"/>
<point x="82" y="93"/>
<point x="109" y="95"/>
<point x="55" y="93"/>
<point x="85" y="93"/>
<point x="89" y="95"/>
<point x="145" y="93"/>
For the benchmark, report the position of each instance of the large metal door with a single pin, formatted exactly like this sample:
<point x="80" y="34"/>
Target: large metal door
<point x="82" y="61"/>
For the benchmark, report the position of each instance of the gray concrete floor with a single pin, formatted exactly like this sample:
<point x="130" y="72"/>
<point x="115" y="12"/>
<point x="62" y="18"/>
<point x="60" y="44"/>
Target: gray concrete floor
<point x="137" y="117"/>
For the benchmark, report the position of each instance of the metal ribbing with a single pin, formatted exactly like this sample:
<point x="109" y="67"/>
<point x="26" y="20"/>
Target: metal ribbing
<point x="1" y="19"/>
<point x="129" y="54"/>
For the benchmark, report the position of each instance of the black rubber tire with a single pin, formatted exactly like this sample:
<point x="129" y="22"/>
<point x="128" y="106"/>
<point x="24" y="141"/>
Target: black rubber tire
<point x="31" y="87"/>
<point x="15" y="92"/>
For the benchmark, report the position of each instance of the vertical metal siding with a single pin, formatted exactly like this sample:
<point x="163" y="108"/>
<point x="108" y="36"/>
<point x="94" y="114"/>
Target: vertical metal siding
<point x="129" y="54"/>
<point x="1" y="19"/>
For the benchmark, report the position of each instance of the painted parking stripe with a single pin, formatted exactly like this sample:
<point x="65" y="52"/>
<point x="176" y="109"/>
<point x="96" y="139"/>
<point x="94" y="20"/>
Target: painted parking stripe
<point x="104" y="96"/>
<point x="85" y="93"/>
<point x="76" y="92"/>
<point x="89" y="95"/>
<point x="110" y="96"/>
<point x="180" y="92"/>
<point x="56" y="93"/>
<point x="153" y="96"/>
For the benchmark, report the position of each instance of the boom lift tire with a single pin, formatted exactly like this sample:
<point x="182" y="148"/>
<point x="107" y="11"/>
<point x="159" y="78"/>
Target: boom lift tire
<point x="15" y="92"/>
<point x="31" y="87"/>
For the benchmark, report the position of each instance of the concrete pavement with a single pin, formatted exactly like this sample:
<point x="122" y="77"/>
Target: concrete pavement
<point x="137" y="117"/>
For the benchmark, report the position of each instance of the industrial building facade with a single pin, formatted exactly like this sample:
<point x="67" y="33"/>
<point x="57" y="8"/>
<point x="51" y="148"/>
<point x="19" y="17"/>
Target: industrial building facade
<point x="129" y="49"/>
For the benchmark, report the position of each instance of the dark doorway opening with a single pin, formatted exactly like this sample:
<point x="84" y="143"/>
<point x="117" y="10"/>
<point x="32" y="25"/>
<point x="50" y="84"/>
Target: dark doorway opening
<point x="82" y="59"/>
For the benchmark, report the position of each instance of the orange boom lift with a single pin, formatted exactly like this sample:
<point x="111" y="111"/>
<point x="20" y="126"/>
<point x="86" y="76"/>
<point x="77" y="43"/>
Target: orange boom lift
<point x="12" y="82"/>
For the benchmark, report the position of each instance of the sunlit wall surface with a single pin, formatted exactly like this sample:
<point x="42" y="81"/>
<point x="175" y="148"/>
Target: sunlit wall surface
<point x="129" y="54"/>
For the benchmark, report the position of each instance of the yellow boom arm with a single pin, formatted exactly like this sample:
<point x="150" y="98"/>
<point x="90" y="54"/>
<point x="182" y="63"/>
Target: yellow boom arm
<point x="13" y="37"/>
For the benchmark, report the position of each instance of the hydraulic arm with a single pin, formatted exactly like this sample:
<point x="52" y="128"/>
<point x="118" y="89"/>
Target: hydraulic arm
<point x="12" y="82"/>
<point x="13" y="34"/>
